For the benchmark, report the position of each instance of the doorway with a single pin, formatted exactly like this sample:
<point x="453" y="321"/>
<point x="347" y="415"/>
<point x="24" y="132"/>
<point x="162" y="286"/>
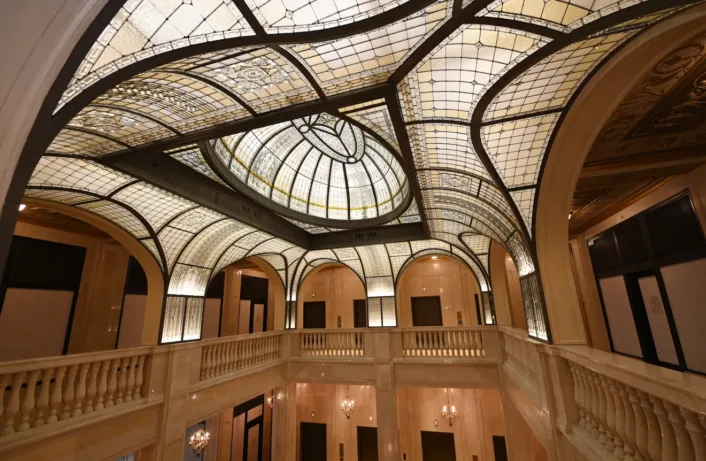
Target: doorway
<point x="360" y="313"/>
<point x="367" y="443"/>
<point x="499" y="448"/>
<point x="312" y="442"/>
<point x="426" y="311"/>
<point x="248" y="431"/>
<point x="252" y="317"/>
<point x="315" y="314"/>
<point x="438" y="446"/>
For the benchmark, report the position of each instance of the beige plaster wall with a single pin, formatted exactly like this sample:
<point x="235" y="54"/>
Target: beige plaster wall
<point x="514" y="294"/>
<point x="336" y="285"/>
<point x="499" y="284"/>
<point x="445" y="277"/>
<point x="480" y="416"/>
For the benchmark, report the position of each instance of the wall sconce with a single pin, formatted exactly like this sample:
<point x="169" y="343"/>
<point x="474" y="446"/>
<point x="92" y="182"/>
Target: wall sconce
<point x="313" y="414"/>
<point x="424" y="288"/>
<point x="22" y="206"/>
<point x="434" y="257"/>
<point x="271" y="402"/>
<point x="199" y="441"/>
<point x="436" y="423"/>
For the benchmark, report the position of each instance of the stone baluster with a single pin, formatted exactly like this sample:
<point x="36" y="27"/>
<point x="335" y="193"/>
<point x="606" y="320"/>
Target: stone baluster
<point x="122" y="382"/>
<point x="466" y="345"/>
<point x="28" y="400"/>
<point x="112" y="383"/>
<point x="599" y="409"/>
<point x="696" y="432"/>
<point x="640" y="440"/>
<point x="69" y="392"/>
<point x="42" y="400"/>
<point x="92" y="387"/>
<point x="203" y="373"/>
<point x="614" y="444"/>
<point x="589" y="402"/>
<point x="129" y="393"/>
<point x="4" y="382"/>
<point x="619" y="419"/>
<point x="231" y="357"/>
<point x="140" y="376"/>
<point x="13" y="403"/>
<point x="56" y="394"/>
<point x="654" y="435"/>
<point x="628" y="424"/>
<point x="102" y="385"/>
<point x="80" y="390"/>
<point x="669" y="442"/>
<point x="217" y="360"/>
<point x="685" y="451"/>
<point x="578" y="400"/>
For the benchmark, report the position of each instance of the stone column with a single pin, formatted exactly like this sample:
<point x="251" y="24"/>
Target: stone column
<point x="385" y="399"/>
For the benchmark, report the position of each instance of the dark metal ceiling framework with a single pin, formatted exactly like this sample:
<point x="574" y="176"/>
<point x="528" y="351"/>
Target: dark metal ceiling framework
<point x="122" y="173"/>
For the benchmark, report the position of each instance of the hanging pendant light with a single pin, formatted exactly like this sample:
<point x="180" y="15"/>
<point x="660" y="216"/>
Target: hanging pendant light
<point x="448" y="411"/>
<point x="348" y="405"/>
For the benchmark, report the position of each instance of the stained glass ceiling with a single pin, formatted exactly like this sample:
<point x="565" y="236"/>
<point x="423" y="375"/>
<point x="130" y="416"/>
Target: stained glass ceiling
<point x="320" y="167"/>
<point x="334" y="115"/>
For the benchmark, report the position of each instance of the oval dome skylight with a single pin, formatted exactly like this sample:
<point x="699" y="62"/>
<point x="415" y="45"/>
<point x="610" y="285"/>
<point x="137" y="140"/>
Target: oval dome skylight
<point x="317" y="169"/>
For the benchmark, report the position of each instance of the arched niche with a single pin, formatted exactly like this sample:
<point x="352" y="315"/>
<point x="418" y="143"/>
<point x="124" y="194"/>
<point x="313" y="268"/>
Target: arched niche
<point x="256" y="267"/>
<point x="338" y="286"/>
<point x="574" y="138"/>
<point x="443" y="275"/>
<point x="150" y="266"/>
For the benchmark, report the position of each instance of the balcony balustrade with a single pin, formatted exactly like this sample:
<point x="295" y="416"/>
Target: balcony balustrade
<point x="611" y="406"/>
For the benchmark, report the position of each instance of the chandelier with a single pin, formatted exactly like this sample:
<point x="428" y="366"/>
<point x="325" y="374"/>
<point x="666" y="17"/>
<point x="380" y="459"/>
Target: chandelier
<point x="199" y="441"/>
<point x="448" y="411"/>
<point x="348" y="405"/>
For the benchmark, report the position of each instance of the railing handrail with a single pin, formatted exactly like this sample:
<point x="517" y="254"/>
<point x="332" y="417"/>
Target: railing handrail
<point x="236" y="338"/>
<point x="76" y="359"/>
<point x="453" y="328"/>
<point x="687" y="390"/>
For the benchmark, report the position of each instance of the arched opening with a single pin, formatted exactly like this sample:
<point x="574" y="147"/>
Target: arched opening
<point x="438" y="290"/>
<point x="579" y="129"/>
<point x="507" y="290"/>
<point x="251" y="300"/>
<point x="332" y="296"/>
<point x="75" y="283"/>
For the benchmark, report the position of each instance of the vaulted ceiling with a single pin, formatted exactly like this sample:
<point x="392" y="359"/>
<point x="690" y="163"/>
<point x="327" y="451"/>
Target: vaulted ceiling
<point x="366" y="132"/>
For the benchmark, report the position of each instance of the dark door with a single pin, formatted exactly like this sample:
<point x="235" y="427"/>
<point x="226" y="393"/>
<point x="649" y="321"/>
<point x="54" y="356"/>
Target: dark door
<point x="438" y="446"/>
<point x="499" y="448"/>
<point x="367" y="443"/>
<point x="312" y="442"/>
<point x="315" y="314"/>
<point x="255" y="290"/>
<point x="478" y="314"/>
<point x="360" y="314"/>
<point x="426" y="311"/>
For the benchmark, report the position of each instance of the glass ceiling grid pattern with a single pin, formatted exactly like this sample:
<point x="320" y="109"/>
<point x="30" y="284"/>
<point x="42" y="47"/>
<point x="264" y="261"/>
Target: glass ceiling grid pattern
<point x="448" y="83"/>
<point x="368" y="58"/>
<point x="281" y="16"/>
<point x="517" y="148"/>
<point x="550" y="83"/>
<point x="525" y="203"/>
<point x="259" y="76"/>
<point x="320" y="166"/>
<point x="179" y="101"/>
<point x="145" y="28"/>
<point x="560" y="15"/>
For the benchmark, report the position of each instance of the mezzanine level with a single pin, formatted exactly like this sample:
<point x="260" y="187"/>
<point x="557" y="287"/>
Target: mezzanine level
<point x="97" y="405"/>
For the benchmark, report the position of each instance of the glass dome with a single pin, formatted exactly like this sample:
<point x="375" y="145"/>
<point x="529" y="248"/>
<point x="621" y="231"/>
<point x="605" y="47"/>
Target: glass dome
<point x="320" y="169"/>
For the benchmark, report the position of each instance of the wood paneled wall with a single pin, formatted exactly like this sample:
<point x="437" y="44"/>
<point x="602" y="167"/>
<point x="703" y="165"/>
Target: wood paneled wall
<point x="324" y="402"/>
<point x="480" y="417"/>
<point x="336" y="285"/>
<point x="447" y="278"/>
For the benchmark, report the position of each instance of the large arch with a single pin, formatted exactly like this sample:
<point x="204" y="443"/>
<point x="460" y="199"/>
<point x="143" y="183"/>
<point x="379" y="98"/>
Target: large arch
<point x="580" y="125"/>
<point x="153" y="272"/>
